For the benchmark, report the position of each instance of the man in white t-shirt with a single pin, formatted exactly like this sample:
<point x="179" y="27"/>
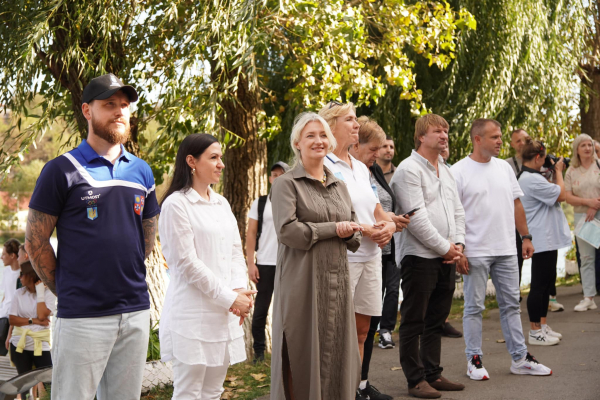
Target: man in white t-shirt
<point x="490" y="193"/>
<point x="261" y="240"/>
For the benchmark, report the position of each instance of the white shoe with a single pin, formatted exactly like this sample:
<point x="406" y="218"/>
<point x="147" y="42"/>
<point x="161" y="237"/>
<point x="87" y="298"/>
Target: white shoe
<point x="476" y="370"/>
<point x="586" y="304"/>
<point x="529" y="366"/>
<point x="554" y="305"/>
<point x="549" y="332"/>
<point x="539" y="338"/>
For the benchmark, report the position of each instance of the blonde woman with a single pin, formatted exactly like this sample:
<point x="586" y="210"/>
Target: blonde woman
<point x="582" y="182"/>
<point x="365" y="264"/>
<point x="315" y="352"/>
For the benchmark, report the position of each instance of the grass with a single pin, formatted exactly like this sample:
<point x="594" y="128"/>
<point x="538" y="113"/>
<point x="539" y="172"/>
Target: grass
<point x="245" y="381"/>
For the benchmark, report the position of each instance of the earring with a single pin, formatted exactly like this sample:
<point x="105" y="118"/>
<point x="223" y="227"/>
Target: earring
<point x="193" y="170"/>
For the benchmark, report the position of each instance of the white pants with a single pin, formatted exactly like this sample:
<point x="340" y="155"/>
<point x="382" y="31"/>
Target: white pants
<point x="103" y="354"/>
<point x="198" y="382"/>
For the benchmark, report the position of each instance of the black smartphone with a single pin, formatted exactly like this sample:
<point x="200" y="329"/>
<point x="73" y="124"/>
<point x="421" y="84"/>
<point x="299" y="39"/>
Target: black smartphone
<point x="412" y="212"/>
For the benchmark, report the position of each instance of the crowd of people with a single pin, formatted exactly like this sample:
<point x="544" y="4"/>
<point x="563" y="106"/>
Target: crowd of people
<point x="328" y="249"/>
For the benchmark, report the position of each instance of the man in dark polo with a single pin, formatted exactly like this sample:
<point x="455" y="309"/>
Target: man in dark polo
<point x="102" y="202"/>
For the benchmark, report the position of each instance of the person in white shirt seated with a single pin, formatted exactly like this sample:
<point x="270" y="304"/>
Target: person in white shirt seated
<point x="30" y="313"/>
<point x="207" y="299"/>
<point x="550" y="230"/>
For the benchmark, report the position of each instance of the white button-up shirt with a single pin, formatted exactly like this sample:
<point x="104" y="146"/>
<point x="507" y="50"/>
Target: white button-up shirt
<point x="203" y="249"/>
<point x="440" y="218"/>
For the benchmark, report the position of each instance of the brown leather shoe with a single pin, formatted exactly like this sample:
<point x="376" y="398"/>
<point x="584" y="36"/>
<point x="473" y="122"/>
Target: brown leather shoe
<point x="446" y="385"/>
<point x="424" y="391"/>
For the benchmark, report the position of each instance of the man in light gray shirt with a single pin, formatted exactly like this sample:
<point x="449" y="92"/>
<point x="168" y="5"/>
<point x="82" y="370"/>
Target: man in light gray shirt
<point x="427" y="251"/>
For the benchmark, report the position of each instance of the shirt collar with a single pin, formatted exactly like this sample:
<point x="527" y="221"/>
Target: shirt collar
<point x="335" y="159"/>
<point x="90" y="154"/>
<point x="425" y="161"/>
<point x="194" y="197"/>
<point x="298" y="171"/>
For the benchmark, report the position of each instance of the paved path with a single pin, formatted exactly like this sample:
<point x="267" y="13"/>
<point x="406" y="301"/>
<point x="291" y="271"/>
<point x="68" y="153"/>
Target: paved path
<point x="575" y="362"/>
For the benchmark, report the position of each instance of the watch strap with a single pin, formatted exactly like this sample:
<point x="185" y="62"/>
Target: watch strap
<point x="523" y="237"/>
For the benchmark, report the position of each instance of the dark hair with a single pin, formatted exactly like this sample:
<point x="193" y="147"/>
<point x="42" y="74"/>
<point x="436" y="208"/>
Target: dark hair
<point x="12" y="246"/>
<point x="194" y="145"/>
<point x="388" y="137"/>
<point x="33" y="275"/>
<point x="532" y="148"/>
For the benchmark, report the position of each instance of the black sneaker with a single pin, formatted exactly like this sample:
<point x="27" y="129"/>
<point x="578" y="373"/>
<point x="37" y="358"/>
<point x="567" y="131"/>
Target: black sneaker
<point x="385" y="339"/>
<point x="371" y="392"/>
<point x="450" y="331"/>
<point x="359" y="395"/>
<point x="258" y="358"/>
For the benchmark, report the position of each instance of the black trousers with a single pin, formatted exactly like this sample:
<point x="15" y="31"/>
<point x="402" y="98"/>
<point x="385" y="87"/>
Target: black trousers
<point x="389" y="315"/>
<point x="543" y="277"/>
<point x="25" y="361"/>
<point x="262" y="302"/>
<point x="519" y="256"/>
<point x="427" y="287"/>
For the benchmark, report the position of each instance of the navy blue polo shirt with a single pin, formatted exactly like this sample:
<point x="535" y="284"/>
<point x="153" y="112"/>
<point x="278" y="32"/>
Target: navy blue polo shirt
<point x="100" y="207"/>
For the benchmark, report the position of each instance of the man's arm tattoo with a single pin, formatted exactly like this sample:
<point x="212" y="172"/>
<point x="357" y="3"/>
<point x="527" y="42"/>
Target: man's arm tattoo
<point x="37" y="244"/>
<point x="149" y="227"/>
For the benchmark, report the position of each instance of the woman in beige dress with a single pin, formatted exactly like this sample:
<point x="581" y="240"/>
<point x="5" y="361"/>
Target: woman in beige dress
<point x="315" y="351"/>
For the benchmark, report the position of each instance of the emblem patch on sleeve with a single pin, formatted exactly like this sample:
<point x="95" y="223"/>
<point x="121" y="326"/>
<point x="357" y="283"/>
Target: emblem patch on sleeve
<point x="138" y="206"/>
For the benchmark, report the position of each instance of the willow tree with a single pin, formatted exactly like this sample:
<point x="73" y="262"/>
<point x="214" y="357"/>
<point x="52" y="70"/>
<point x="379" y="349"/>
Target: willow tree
<point x="590" y="73"/>
<point x="233" y="68"/>
<point x="518" y="67"/>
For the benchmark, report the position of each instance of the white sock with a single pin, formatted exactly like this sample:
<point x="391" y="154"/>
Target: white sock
<point x="544" y="326"/>
<point x="363" y="385"/>
<point x="553" y="298"/>
<point x="534" y="331"/>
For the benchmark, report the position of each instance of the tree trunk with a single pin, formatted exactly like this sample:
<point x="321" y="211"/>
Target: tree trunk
<point x="155" y="270"/>
<point x="590" y="103"/>
<point x="245" y="170"/>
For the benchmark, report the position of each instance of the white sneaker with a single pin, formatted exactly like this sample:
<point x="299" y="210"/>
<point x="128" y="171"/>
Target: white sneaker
<point x="586" y="304"/>
<point x="529" y="366"/>
<point x="549" y="332"/>
<point x="539" y="338"/>
<point x="476" y="370"/>
<point x="554" y="305"/>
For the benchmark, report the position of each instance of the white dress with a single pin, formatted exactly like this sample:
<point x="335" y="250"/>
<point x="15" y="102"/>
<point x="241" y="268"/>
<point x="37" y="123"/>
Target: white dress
<point x="203" y="249"/>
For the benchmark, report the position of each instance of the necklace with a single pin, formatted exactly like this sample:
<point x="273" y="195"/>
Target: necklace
<point x="324" y="178"/>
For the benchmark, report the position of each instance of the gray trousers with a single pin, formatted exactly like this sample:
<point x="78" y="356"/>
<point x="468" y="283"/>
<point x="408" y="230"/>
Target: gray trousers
<point x="103" y="355"/>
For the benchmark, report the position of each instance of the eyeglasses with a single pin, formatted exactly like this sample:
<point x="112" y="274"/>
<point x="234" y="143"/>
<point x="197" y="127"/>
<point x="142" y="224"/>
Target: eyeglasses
<point x="334" y="103"/>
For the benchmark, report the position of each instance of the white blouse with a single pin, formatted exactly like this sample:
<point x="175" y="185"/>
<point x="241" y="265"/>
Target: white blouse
<point x="203" y="249"/>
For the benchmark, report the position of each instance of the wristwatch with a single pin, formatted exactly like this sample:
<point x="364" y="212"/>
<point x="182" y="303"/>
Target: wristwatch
<point x="30" y="321"/>
<point x="526" y="237"/>
<point x="461" y="244"/>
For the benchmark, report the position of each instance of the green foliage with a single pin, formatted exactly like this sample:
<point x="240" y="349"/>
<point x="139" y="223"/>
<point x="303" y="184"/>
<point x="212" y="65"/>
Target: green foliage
<point x="188" y="57"/>
<point x="153" y="344"/>
<point x="518" y="67"/>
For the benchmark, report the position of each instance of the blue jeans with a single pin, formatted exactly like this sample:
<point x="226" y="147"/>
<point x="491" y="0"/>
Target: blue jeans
<point x="504" y="271"/>
<point x="103" y="354"/>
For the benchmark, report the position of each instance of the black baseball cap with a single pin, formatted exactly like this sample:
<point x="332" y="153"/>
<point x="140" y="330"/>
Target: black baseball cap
<point x="104" y="86"/>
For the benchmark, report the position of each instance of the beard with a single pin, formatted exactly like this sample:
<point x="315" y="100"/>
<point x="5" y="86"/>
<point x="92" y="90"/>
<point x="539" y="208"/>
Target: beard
<point x="111" y="135"/>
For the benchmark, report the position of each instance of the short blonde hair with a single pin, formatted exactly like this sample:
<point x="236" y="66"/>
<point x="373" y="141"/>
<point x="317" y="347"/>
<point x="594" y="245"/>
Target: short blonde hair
<point x="370" y="131"/>
<point x="300" y="123"/>
<point x="575" y="161"/>
<point x="424" y="123"/>
<point x="333" y="110"/>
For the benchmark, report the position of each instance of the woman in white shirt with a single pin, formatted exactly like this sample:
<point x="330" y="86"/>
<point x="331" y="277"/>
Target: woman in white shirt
<point x="30" y="311"/>
<point x="365" y="264"/>
<point x="207" y="300"/>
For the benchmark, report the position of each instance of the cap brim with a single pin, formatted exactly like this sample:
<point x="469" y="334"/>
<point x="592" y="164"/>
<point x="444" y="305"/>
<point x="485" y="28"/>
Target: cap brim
<point x="128" y="90"/>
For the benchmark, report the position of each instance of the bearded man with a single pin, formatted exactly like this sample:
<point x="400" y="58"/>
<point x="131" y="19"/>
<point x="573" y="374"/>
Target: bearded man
<point x="102" y="202"/>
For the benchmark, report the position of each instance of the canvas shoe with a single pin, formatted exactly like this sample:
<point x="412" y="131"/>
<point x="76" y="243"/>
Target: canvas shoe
<point x="539" y="338"/>
<point x="549" y="332"/>
<point x="529" y="366"/>
<point x="586" y="304"/>
<point x="385" y="339"/>
<point x="554" y="305"/>
<point x="476" y="370"/>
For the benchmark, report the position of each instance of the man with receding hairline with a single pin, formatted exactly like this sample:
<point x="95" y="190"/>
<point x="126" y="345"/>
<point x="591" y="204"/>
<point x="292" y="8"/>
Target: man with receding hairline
<point x="490" y="193"/>
<point x="517" y="140"/>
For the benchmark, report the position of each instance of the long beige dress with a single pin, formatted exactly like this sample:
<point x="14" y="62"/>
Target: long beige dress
<point x="312" y="308"/>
